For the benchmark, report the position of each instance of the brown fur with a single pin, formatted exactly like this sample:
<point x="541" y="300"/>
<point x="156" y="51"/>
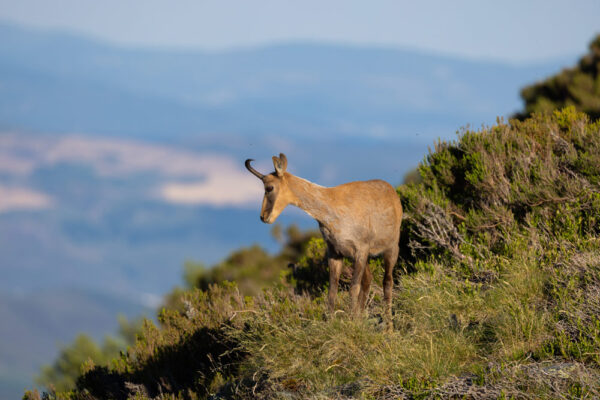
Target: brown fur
<point x="357" y="220"/>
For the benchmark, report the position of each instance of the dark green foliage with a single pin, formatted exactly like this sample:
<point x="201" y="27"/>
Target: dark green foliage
<point x="310" y="274"/>
<point x="253" y="268"/>
<point x="189" y="365"/>
<point x="578" y="86"/>
<point x="65" y="370"/>
<point x="189" y="354"/>
<point x="67" y="367"/>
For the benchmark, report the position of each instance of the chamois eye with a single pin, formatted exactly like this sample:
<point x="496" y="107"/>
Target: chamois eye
<point x="269" y="189"/>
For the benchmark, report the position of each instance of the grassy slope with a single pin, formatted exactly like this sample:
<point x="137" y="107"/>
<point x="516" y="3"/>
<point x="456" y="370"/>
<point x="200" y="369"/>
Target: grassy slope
<point x="497" y="295"/>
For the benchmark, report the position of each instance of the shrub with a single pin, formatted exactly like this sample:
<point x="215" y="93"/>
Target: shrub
<point x="578" y="86"/>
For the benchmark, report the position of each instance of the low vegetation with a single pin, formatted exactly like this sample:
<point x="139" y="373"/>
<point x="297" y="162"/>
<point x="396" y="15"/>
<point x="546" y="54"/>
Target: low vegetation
<point x="497" y="289"/>
<point x="63" y="373"/>
<point x="498" y="292"/>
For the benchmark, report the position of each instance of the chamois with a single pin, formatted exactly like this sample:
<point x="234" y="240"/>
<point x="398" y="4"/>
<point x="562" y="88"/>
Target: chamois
<point x="357" y="220"/>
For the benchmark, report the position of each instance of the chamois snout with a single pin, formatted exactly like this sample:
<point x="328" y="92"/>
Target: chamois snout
<point x="266" y="216"/>
<point x="276" y="194"/>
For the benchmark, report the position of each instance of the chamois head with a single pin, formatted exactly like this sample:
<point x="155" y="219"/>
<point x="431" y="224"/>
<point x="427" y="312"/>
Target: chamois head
<point x="277" y="193"/>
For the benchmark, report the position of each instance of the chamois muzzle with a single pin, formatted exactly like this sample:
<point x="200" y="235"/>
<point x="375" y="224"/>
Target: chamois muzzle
<point x="254" y="172"/>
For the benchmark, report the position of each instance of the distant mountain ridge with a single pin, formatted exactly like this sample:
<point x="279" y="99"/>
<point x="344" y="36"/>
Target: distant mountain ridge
<point x="62" y="83"/>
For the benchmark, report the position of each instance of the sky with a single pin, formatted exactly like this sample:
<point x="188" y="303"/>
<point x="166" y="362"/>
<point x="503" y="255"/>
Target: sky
<point x="513" y="31"/>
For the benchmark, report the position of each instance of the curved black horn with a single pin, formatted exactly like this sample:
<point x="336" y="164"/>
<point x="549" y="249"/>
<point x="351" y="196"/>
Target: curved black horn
<point x="254" y="172"/>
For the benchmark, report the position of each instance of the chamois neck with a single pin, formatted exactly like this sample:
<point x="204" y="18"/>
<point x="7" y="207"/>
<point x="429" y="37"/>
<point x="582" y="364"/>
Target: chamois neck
<point x="309" y="197"/>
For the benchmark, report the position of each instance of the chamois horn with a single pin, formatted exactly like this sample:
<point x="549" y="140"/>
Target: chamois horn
<point x="254" y="172"/>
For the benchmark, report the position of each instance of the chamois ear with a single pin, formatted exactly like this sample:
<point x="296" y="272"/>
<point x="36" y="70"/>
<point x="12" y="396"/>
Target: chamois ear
<point x="283" y="159"/>
<point x="279" y="166"/>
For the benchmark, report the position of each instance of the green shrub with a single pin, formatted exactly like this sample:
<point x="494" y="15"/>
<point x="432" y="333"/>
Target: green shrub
<point x="578" y="86"/>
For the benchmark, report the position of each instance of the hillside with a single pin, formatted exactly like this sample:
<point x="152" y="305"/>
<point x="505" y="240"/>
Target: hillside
<point x="496" y="295"/>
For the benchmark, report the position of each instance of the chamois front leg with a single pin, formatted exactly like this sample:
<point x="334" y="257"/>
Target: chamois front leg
<point x="335" y="262"/>
<point x="360" y="263"/>
<point x="365" y="286"/>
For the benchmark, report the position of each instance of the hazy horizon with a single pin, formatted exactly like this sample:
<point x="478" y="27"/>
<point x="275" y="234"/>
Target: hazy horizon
<point x="513" y="32"/>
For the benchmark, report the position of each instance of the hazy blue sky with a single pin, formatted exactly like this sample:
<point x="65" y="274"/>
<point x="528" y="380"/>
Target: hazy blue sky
<point x="515" y="30"/>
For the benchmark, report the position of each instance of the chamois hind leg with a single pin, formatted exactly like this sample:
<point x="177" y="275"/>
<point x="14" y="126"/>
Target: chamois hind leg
<point x="389" y="260"/>
<point x="365" y="286"/>
<point x="360" y="263"/>
<point x="335" y="262"/>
